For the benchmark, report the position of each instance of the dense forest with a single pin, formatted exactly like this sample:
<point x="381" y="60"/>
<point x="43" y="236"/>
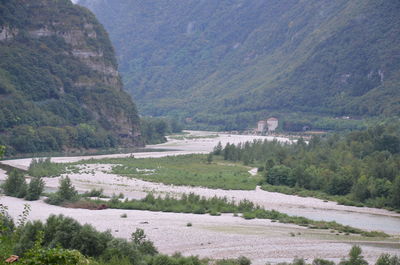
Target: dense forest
<point x="228" y="64"/>
<point x="363" y="166"/>
<point x="59" y="85"/>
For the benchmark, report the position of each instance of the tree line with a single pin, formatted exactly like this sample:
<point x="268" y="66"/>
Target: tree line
<point x="363" y="166"/>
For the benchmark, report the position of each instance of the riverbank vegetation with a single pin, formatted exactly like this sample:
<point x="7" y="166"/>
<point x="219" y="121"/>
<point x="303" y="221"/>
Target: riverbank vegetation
<point x="191" y="170"/>
<point x="15" y="186"/>
<point x="191" y="203"/>
<point x="359" y="168"/>
<point x="43" y="167"/>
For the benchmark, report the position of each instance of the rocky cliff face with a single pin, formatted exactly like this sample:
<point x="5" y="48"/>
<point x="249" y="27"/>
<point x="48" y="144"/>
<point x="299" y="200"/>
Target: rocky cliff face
<point x="58" y="60"/>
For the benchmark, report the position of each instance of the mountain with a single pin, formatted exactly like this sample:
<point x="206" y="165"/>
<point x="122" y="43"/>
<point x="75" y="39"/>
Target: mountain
<point x="233" y="61"/>
<point x="59" y="85"/>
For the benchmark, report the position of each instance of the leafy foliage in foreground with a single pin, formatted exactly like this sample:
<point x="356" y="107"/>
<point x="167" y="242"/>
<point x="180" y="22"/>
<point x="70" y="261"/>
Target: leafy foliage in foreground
<point x="363" y="165"/>
<point x="63" y="241"/>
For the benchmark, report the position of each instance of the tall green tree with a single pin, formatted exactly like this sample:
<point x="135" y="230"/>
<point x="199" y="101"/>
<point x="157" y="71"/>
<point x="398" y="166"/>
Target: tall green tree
<point x="15" y="184"/>
<point x="2" y="151"/>
<point x="395" y="193"/>
<point x="35" y="189"/>
<point x="355" y="257"/>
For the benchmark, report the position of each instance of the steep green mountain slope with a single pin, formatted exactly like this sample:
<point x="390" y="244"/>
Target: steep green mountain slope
<point x="233" y="62"/>
<point x="59" y="85"/>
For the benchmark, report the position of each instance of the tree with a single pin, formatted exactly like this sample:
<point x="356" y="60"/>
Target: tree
<point x="66" y="190"/>
<point x="355" y="257"/>
<point x="2" y="151"/>
<point x="360" y="189"/>
<point x="35" y="189"/>
<point x="66" y="193"/>
<point x="218" y="149"/>
<point x="279" y="175"/>
<point x="395" y="192"/>
<point x="15" y="184"/>
<point x="145" y="246"/>
<point x="210" y="158"/>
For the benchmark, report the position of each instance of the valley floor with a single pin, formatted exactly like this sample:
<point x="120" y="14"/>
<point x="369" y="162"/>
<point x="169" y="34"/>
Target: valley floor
<point x="219" y="236"/>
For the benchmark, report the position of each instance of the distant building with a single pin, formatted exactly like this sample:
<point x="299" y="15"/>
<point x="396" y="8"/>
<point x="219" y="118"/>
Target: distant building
<point x="269" y="125"/>
<point x="272" y="124"/>
<point x="261" y="126"/>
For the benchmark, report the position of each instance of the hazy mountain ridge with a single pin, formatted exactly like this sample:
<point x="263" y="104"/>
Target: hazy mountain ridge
<point x="236" y="60"/>
<point x="59" y="84"/>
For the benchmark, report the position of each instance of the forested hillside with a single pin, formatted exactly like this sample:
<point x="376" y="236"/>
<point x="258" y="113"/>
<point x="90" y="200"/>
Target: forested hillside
<point x="232" y="62"/>
<point x="59" y="85"/>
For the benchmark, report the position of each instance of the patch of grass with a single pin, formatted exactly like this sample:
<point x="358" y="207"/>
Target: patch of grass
<point x="191" y="170"/>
